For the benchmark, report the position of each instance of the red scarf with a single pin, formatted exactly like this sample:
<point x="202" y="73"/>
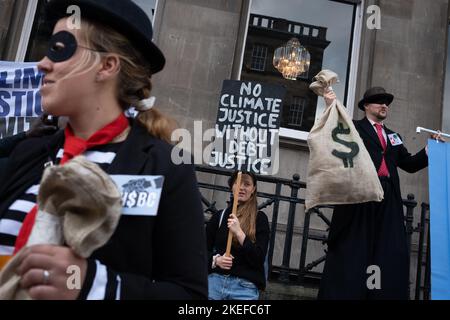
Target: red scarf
<point x="73" y="146"/>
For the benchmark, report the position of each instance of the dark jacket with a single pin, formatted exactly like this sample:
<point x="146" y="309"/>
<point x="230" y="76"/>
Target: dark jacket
<point x="156" y="257"/>
<point x="248" y="262"/>
<point x="8" y="144"/>
<point x="395" y="156"/>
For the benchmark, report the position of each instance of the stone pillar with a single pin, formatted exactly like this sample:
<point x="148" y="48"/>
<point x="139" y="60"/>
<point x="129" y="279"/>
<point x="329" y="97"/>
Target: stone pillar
<point x="6" y="12"/>
<point x="199" y="39"/>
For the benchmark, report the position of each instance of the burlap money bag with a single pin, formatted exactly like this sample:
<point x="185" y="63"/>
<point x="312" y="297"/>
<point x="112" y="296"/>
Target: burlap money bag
<point x="340" y="170"/>
<point x="79" y="206"/>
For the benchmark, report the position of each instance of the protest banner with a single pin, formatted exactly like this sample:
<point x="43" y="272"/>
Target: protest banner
<point x="20" y="100"/>
<point x="439" y="180"/>
<point x="247" y="127"/>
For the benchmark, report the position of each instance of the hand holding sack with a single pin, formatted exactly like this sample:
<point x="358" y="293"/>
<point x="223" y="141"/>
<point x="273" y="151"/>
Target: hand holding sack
<point x="340" y="170"/>
<point x="79" y="206"/>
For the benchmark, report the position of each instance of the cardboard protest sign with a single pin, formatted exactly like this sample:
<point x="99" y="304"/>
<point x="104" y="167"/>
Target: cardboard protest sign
<point x="20" y="100"/>
<point x="247" y="127"/>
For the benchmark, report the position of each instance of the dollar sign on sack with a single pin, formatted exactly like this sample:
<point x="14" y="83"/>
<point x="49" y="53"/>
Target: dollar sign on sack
<point x="347" y="157"/>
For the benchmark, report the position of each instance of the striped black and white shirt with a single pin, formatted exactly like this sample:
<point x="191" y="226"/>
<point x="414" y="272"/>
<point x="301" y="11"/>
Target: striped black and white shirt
<point x="12" y="221"/>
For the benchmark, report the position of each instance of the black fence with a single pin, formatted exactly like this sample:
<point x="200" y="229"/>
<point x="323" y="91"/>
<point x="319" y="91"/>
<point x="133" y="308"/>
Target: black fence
<point x="304" y="273"/>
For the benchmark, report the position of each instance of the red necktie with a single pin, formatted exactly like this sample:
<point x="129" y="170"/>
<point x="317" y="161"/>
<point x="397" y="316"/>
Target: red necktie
<point x="73" y="146"/>
<point x="383" y="170"/>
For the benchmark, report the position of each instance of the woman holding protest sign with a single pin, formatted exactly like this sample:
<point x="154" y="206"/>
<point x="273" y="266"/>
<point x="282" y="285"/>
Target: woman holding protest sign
<point x="239" y="275"/>
<point x="92" y="74"/>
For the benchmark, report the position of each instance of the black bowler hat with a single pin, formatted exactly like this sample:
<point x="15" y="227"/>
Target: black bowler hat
<point x="376" y="95"/>
<point x="122" y="15"/>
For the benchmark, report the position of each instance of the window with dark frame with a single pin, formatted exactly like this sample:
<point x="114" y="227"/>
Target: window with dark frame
<point x="41" y="32"/>
<point x="296" y="110"/>
<point x="259" y="56"/>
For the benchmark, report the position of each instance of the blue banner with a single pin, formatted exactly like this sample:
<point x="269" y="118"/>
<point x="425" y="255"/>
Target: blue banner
<point x="20" y="100"/>
<point x="439" y="177"/>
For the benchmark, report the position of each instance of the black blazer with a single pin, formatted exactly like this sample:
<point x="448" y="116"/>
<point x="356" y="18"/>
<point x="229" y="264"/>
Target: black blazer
<point x="160" y="257"/>
<point x="7" y="144"/>
<point x="395" y="156"/>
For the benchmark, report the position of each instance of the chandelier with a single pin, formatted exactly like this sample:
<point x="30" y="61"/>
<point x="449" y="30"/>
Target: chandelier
<point x="292" y="59"/>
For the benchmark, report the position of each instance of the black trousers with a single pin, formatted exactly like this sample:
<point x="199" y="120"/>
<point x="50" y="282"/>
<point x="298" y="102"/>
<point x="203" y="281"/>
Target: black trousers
<point x="363" y="235"/>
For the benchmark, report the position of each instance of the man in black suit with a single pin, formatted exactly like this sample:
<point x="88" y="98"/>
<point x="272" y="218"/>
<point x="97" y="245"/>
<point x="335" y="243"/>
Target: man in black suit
<point x="367" y="252"/>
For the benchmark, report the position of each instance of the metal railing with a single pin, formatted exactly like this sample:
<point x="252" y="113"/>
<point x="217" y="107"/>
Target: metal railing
<point x="305" y="273"/>
<point x="423" y="255"/>
<point x="271" y="199"/>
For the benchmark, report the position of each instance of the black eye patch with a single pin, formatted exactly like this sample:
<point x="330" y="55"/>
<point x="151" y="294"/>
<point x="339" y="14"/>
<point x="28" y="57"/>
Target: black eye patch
<point x="62" y="46"/>
<point x="382" y="101"/>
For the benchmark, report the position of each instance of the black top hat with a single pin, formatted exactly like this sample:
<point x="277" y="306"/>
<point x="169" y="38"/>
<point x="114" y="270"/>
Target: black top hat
<point x="376" y="95"/>
<point x="122" y="15"/>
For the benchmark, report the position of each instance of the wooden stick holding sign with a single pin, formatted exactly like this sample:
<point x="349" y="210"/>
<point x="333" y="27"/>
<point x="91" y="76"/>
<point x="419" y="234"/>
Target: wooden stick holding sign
<point x="234" y="211"/>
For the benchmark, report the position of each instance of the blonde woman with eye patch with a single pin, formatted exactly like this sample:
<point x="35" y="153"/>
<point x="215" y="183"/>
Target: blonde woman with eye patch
<point x="91" y="76"/>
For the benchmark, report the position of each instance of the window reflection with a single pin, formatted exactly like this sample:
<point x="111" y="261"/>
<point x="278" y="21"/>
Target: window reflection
<point x="41" y="32"/>
<point x="323" y="27"/>
<point x="149" y="6"/>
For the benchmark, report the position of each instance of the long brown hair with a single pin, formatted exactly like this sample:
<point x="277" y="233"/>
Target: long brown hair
<point x="134" y="77"/>
<point x="247" y="212"/>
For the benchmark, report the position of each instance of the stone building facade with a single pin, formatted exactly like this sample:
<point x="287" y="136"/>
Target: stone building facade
<point x="204" y="43"/>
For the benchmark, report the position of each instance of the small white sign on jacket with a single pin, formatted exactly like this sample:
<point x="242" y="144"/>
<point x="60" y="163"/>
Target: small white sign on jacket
<point x="140" y="194"/>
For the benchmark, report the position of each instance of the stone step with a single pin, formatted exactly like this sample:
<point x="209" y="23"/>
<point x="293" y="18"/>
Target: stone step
<point x="283" y="291"/>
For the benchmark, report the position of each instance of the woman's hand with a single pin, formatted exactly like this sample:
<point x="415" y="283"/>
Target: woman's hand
<point x="329" y="97"/>
<point x="233" y="224"/>
<point x="224" y="262"/>
<point x="41" y="127"/>
<point x="235" y="228"/>
<point x="45" y="272"/>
